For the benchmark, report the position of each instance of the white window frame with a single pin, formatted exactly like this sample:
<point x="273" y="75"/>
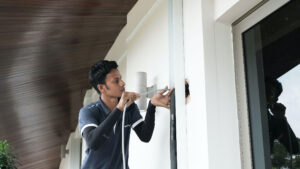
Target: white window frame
<point x="241" y="91"/>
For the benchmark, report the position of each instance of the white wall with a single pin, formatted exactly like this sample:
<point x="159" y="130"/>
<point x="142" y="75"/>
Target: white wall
<point x="213" y="127"/>
<point x="213" y="140"/>
<point x="76" y="145"/>
<point x="72" y="157"/>
<point x="194" y="64"/>
<point x="214" y="133"/>
<point x="147" y="51"/>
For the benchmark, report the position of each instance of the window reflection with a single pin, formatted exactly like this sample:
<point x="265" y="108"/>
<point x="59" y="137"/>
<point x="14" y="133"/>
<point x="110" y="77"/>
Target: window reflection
<point x="272" y="56"/>
<point x="285" y="149"/>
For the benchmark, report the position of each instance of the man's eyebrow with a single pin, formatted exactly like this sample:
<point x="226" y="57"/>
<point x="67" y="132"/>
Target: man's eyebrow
<point x="117" y="77"/>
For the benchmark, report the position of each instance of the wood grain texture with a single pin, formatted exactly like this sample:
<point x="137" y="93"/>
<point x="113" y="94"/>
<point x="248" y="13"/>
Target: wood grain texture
<point x="46" y="50"/>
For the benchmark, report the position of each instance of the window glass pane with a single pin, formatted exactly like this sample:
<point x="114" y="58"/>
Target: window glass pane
<point x="272" y="57"/>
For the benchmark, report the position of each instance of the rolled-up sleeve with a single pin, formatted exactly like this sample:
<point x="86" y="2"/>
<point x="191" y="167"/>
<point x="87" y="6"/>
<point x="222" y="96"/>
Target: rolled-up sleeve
<point x="136" y="117"/>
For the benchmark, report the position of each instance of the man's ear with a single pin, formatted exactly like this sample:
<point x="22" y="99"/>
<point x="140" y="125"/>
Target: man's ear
<point x="101" y="88"/>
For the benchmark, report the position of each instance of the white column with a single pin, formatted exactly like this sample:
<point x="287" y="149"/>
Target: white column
<point x="177" y="77"/>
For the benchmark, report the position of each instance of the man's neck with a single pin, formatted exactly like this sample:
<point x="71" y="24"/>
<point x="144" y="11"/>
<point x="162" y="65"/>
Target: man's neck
<point x="110" y="102"/>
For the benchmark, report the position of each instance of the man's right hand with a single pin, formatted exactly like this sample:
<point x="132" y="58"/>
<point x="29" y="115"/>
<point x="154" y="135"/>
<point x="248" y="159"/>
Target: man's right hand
<point x="278" y="110"/>
<point x="129" y="97"/>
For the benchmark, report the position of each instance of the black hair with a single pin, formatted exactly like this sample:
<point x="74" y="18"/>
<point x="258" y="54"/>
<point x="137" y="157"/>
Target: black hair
<point x="274" y="83"/>
<point x="99" y="71"/>
<point x="187" y="89"/>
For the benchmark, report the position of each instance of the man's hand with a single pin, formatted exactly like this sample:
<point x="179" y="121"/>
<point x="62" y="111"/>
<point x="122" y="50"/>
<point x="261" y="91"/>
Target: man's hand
<point x="162" y="100"/>
<point x="129" y="98"/>
<point x="278" y="110"/>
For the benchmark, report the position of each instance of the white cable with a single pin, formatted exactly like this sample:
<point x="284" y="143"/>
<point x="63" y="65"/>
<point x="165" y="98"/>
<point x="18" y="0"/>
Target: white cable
<point x="123" y="149"/>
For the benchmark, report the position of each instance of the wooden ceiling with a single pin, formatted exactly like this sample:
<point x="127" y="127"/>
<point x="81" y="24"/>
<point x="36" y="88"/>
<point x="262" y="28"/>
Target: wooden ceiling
<point x="46" y="50"/>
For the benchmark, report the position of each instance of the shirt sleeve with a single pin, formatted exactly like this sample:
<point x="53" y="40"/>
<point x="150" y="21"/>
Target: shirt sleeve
<point x="144" y="130"/>
<point x="96" y="137"/>
<point x="136" y="117"/>
<point x="86" y="119"/>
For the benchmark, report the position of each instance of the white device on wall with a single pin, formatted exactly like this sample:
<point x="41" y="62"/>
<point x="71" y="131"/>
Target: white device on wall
<point x="141" y="87"/>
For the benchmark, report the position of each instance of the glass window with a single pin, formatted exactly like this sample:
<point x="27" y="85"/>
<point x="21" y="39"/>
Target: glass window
<point x="272" y="57"/>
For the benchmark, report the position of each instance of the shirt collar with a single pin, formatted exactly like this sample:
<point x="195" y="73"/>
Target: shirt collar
<point x="105" y="109"/>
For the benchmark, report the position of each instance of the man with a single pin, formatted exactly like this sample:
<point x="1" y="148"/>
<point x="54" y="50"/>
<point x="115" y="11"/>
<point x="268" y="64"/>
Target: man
<point x="100" y="122"/>
<point x="278" y="126"/>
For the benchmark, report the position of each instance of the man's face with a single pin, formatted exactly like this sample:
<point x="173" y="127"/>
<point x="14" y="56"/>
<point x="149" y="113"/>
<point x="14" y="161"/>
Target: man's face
<point x="115" y="86"/>
<point x="271" y="95"/>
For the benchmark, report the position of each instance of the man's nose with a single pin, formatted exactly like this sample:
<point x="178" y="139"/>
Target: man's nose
<point x="123" y="83"/>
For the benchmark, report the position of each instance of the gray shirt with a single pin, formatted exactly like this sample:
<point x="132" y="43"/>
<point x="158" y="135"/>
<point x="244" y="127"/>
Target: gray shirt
<point x="109" y="155"/>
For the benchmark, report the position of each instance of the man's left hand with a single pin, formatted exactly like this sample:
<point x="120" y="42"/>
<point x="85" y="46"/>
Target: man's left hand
<point x="161" y="100"/>
<point x="278" y="110"/>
